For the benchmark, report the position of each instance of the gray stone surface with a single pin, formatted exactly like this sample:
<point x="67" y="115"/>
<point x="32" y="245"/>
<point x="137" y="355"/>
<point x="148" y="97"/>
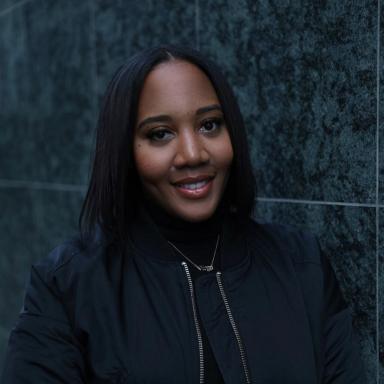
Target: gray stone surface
<point x="381" y="109"/>
<point x="7" y="5"/>
<point x="381" y="295"/>
<point x="46" y="93"/>
<point x="122" y="30"/>
<point x="305" y="75"/>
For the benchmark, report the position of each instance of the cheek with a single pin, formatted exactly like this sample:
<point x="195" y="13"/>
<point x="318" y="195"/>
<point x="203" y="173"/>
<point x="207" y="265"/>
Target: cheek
<point x="151" y="165"/>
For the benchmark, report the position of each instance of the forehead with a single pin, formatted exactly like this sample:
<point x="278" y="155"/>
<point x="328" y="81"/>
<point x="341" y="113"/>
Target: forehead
<point x="175" y="87"/>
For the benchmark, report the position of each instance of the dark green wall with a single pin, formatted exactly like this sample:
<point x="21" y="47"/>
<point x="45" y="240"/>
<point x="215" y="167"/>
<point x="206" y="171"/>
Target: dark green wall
<point x="307" y="75"/>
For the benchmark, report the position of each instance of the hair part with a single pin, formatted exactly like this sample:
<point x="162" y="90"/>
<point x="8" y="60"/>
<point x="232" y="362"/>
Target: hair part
<point x="114" y="186"/>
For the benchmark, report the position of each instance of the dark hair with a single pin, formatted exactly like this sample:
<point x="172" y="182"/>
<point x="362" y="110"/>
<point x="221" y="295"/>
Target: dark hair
<point x="114" y="186"/>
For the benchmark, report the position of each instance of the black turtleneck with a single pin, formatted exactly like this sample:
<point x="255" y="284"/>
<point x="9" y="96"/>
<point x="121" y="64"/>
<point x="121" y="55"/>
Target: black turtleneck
<point x="197" y="241"/>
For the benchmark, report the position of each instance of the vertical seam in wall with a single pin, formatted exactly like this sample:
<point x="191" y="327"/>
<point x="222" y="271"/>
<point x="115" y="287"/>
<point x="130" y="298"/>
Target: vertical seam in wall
<point x="197" y="26"/>
<point x="377" y="193"/>
<point x="95" y="80"/>
<point x="92" y="37"/>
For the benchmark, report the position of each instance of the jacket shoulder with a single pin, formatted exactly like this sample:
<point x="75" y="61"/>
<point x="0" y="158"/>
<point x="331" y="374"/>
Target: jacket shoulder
<point x="69" y="257"/>
<point x="302" y="245"/>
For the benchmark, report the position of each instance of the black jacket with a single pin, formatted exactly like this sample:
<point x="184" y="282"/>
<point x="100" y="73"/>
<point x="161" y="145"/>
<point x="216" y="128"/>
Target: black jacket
<point x="274" y="314"/>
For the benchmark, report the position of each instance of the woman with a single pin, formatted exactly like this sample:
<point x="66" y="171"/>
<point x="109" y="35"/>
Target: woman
<point x="171" y="280"/>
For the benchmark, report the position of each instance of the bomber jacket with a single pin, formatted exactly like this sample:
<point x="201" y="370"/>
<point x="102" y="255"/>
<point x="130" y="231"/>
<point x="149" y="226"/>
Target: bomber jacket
<point x="273" y="314"/>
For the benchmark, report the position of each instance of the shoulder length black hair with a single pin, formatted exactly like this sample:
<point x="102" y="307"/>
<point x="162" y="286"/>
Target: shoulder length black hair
<point x="114" y="186"/>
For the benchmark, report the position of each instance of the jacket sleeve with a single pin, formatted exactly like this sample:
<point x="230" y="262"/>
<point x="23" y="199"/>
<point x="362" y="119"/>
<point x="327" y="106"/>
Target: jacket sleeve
<point x="342" y="360"/>
<point x="42" y="347"/>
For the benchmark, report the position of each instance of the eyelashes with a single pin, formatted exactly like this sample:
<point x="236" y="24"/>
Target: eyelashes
<point x="212" y="126"/>
<point x="158" y="135"/>
<point x="217" y="121"/>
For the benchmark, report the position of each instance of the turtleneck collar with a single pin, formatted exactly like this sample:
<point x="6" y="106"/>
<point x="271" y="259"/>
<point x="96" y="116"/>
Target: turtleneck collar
<point x="176" y="229"/>
<point x="149" y="238"/>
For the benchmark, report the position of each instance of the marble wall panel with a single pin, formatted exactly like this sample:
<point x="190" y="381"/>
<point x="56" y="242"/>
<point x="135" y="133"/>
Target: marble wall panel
<point x="305" y="76"/>
<point x="6" y="5"/>
<point x="381" y="296"/>
<point x="381" y="192"/>
<point x="46" y="95"/>
<point x="122" y="30"/>
<point x="32" y="223"/>
<point x="348" y="237"/>
<point x="381" y="106"/>
<point x="9" y="5"/>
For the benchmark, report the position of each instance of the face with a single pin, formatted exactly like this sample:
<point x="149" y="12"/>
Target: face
<point x="182" y="149"/>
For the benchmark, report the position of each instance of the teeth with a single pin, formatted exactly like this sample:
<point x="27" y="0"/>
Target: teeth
<point x="194" y="186"/>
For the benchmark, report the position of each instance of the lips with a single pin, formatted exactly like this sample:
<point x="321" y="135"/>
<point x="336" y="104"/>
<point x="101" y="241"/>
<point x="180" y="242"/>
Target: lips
<point x="194" y="187"/>
<point x="193" y="180"/>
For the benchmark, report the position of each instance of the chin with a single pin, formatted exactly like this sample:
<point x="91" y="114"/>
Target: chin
<point x="195" y="215"/>
<point x="195" y="218"/>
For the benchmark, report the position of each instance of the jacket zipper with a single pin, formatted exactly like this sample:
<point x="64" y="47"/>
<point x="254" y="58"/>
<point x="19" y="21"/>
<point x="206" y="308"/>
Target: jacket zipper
<point x="199" y="337"/>
<point x="234" y="327"/>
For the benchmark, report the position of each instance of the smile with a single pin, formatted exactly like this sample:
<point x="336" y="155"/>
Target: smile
<point x="194" y="186"/>
<point x="195" y="190"/>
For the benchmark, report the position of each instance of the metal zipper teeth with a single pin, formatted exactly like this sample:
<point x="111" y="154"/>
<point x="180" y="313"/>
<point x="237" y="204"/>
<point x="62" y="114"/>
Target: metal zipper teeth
<point x="199" y="337"/>
<point x="234" y="327"/>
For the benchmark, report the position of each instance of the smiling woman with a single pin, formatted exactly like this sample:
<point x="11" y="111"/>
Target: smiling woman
<point x="183" y="157"/>
<point x="170" y="279"/>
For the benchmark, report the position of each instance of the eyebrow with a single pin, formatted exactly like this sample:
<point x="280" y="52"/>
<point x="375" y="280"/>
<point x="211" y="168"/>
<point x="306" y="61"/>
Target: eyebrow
<point x="167" y="118"/>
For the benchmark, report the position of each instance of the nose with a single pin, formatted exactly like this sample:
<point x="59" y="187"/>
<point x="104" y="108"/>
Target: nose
<point x="191" y="150"/>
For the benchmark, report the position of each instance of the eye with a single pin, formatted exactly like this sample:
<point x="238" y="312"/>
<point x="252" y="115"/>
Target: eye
<point x="212" y="125"/>
<point x="159" y="135"/>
